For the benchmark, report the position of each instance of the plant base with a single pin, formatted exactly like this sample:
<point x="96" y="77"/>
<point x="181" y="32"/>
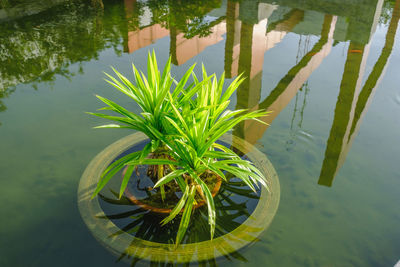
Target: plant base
<point x="125" y="244"/>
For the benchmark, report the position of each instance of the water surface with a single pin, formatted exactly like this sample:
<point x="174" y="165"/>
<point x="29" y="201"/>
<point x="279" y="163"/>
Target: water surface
<point x="327" y="69"/>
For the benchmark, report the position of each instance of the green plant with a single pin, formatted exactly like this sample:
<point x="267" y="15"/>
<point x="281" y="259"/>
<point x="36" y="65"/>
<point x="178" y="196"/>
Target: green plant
<point x="185" y="122"/>
<point x="150" y="94"/>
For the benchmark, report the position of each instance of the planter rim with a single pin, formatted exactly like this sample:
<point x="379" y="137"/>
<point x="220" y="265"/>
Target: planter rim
<point x="125" y="243"/>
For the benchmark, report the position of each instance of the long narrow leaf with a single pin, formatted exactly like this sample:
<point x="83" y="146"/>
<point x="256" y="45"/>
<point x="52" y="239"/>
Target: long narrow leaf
<point x="185" y="216"/>
<point x="210" y="203"/>
<point x="169" y="177"/>
<point x="179" y="206"/>
<point x="125" y="180"/>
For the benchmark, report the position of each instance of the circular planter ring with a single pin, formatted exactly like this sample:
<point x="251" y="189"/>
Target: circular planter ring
<point x="125" y="243"/>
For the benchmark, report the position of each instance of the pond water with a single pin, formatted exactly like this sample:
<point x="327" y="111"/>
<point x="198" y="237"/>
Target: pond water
<point x="329" y="71"/>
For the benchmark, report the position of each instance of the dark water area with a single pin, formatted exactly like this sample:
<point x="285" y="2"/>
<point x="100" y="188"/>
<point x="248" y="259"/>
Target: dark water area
<point x="328" y="71"/>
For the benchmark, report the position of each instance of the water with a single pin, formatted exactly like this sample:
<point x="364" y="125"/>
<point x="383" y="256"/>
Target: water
<point x="328" y="70"/>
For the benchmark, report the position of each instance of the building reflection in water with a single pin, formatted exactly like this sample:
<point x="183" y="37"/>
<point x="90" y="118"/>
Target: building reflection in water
<point x="250" y="28"/>
<point x="354" y="99"/>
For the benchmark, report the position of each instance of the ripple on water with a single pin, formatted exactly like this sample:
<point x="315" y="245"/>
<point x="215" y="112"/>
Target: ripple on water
<point x="305" y="136"/>
<point x="299" y="137"/>
<point x="396" y="99"/>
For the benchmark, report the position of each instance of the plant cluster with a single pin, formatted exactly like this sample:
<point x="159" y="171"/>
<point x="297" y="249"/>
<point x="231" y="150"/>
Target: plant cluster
<point x="183" y="121"/>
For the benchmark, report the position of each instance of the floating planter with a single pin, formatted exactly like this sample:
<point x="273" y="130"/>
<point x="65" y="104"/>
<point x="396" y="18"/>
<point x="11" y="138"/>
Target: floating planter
<point x="124" y="244"/>
<point x="171" y="171"/>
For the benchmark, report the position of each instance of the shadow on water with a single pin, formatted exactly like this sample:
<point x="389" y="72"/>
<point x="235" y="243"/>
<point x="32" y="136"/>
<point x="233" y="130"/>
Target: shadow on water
<point x="234" y="204"/>
<point x="134" y="230"/>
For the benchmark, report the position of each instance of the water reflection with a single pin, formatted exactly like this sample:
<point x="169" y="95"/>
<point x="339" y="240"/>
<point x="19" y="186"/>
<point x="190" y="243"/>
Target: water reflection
<point x="358" y="32"/>
<point x="234" y="203"/>
<point x="42" y="46"/>
<point x="352" y="102"/>
<point x="252" y="28"/>
<point x="39" y="47"/>
<point x="189" y="26"/>
<point x="289" y="85"/>
<point x="376" y="75"/>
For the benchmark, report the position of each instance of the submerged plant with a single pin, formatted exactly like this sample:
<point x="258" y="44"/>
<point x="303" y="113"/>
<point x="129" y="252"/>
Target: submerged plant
<point x="183" y="124"/>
